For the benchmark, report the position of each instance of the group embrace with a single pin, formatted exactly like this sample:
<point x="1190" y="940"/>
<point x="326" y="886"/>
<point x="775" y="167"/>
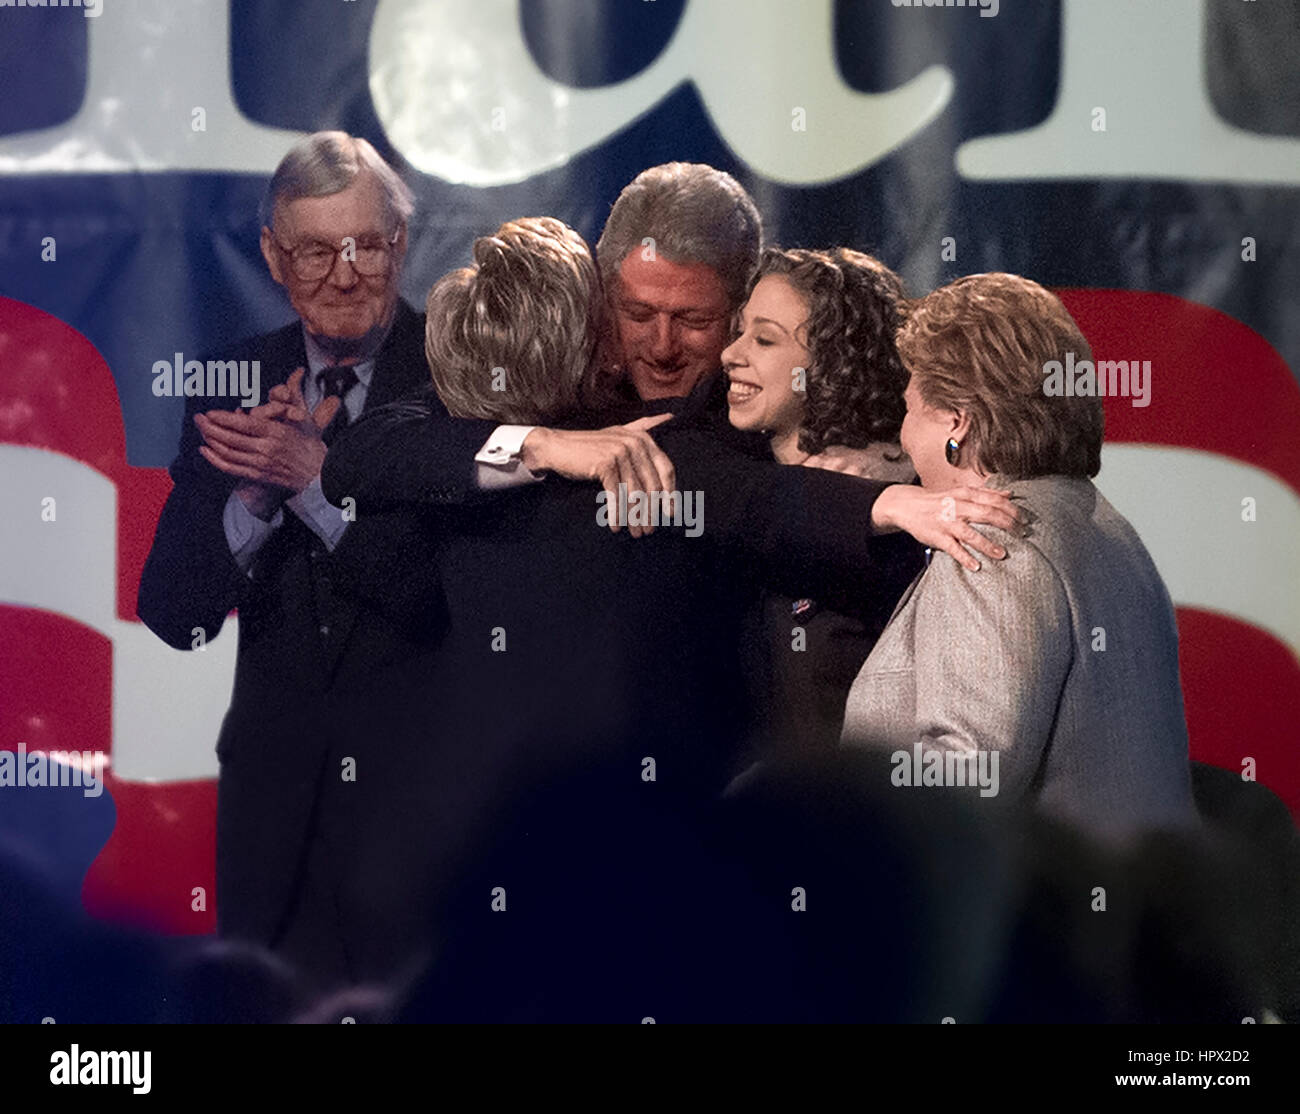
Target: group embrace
<point x="880" y="547"/>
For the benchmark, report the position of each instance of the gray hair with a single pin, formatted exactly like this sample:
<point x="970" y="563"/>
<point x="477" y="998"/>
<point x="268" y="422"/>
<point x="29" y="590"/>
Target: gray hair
<point x="695" y="214"/>
<point x="327" y="163"/>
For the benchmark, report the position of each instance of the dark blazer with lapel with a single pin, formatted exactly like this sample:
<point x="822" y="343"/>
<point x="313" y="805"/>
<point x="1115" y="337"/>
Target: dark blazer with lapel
<point x="293" y="628"/>
<point x="568" y="648"/>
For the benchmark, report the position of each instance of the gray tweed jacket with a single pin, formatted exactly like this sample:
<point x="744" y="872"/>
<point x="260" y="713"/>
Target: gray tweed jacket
<point x="1062" y="659"/>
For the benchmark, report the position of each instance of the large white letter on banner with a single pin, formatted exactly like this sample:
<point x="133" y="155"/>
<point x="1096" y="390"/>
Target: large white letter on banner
<point x="1143" y="62"/>
<point x="151" y="63"/>
<point x="460" y="96"/>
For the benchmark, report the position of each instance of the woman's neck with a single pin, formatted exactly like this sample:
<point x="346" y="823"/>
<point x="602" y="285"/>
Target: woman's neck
<point x="964" y="477"/>
<point x="785" y="447"/>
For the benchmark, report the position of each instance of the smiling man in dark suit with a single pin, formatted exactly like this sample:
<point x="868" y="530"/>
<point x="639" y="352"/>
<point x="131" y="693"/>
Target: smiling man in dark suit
<point x="247" y="526"/>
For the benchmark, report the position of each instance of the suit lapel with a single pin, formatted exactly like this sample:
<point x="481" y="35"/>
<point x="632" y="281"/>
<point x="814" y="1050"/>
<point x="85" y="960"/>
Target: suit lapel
<point x="286" y="353"/>
<point x="400" y="366"/>
<point x="400" y="369"/>
<point x="907" y="594"/>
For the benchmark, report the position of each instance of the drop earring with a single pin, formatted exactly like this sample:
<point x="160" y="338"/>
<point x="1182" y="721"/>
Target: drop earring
<point x="950" y="451"/>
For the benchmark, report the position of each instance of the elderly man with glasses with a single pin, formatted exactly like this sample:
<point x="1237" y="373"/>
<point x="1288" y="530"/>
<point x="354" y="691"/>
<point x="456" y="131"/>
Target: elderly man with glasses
<point x="246" y="526"/>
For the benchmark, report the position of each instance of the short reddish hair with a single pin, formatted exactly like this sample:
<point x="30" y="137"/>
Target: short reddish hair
<point x="979" y="346"/>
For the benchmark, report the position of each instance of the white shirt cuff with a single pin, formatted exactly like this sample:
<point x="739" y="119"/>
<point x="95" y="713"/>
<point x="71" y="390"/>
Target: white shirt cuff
<point x="318" y="514"/>
<point x="245" y="532"/>
<point x="498" y="463"/>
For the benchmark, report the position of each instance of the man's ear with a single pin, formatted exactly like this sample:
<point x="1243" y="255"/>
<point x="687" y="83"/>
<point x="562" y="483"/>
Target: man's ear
<point x="271" y="253"/>
<point x="399" y="248"/>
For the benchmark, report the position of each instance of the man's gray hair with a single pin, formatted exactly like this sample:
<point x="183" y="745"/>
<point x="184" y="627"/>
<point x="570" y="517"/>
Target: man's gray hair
<point x="694" y="214"/>
<point x="326" y="163"/>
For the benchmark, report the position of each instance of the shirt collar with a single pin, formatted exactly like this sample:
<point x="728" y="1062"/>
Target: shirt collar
<point x="318" y="361"/>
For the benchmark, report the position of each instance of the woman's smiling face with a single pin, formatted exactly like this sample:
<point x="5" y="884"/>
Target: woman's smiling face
<point x="767" y="364"/>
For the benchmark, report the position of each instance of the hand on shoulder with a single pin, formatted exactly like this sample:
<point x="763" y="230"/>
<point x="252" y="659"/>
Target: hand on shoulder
<point x="942" y="519"/>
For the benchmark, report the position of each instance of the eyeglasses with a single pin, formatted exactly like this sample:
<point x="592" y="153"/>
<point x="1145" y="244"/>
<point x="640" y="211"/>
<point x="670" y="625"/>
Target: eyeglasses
<point x="314" y="260"/>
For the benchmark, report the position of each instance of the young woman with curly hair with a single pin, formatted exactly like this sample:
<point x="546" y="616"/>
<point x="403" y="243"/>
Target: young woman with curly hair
<point x="814" y="367"/>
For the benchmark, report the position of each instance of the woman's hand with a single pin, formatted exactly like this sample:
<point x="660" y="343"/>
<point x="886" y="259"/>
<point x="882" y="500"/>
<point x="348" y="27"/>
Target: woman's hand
<point x="941" y="519"/>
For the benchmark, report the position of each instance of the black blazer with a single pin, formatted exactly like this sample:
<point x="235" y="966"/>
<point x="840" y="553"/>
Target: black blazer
<point x="567" y="647"/>
<point x="293" y="630"/>
<point x="705" y="409"/>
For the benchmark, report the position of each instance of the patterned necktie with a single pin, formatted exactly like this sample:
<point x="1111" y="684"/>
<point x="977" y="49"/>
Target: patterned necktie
<point x="336" y="382"/>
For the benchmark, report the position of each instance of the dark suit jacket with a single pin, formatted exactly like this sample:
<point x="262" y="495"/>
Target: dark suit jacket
<point x="293" y="630"/>
<point x="568" y="648"/>
<point x="705" y="409"/>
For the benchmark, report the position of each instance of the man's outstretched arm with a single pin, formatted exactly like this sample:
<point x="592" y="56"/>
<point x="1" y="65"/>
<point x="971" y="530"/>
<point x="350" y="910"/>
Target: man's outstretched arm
<point x="810" y="531"/>
<point x="412" y="453"/>
<point x="406" y="452"/>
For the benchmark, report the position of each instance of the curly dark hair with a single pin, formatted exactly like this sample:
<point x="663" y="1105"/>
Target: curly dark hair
<point x="856" y="379"/>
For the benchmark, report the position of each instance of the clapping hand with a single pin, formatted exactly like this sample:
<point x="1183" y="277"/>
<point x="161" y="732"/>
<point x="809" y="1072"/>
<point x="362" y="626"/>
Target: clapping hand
<point x="277" y="444"/>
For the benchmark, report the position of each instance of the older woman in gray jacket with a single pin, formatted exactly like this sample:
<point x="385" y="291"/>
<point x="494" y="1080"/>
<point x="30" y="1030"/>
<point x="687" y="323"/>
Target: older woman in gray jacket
<point x="1050" y="676"/>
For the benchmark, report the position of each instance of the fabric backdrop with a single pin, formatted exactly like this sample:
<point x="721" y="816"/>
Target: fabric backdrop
<point x="1142" y="158"/>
